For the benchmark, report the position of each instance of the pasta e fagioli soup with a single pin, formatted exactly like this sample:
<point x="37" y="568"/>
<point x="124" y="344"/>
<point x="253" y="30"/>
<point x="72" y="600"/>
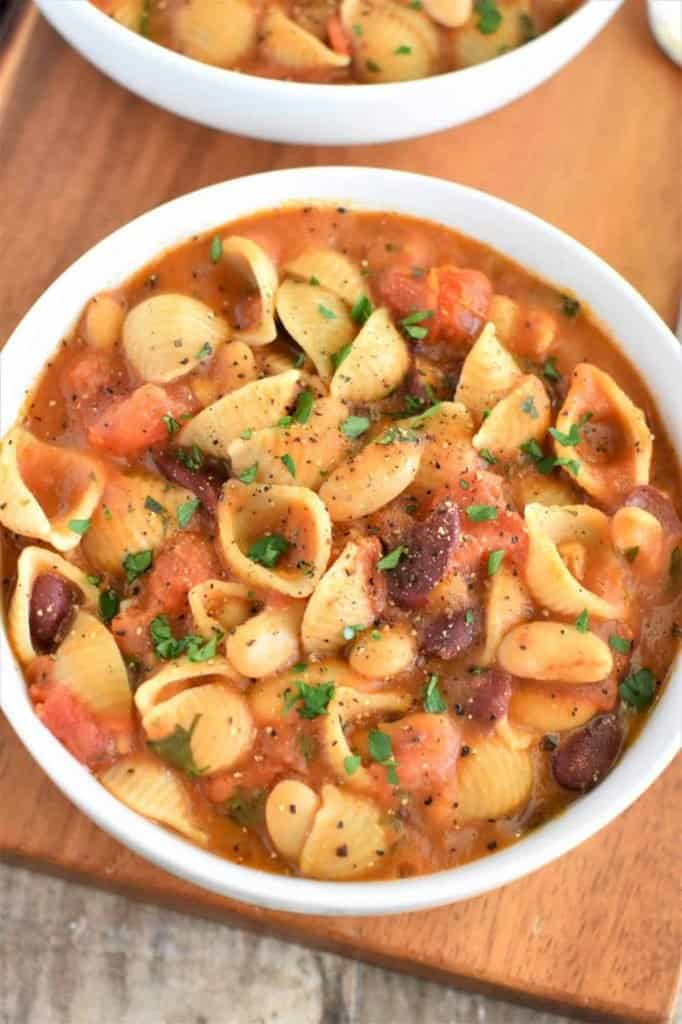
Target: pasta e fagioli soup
<point x="341" y="545"/>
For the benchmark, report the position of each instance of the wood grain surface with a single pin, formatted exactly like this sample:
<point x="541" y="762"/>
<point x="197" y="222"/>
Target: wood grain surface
<point x="596" y="152"/>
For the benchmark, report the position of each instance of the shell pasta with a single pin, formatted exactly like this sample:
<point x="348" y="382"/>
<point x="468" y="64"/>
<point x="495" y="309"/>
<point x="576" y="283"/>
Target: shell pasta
<point x="334" y="541"/>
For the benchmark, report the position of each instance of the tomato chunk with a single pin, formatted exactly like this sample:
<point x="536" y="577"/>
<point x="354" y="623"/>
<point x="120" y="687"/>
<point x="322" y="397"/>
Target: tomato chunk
<point x="90" y="740"/>
<point x="135" y="422"/>
<point x="338" y="40"/>
<point x="463" y="303"/>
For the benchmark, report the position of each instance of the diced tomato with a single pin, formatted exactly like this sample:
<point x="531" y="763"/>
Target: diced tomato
<point x="338" y="40"/>
<point x="463" y="303"/>
<point x="404" y="293"/>
<point x="188" y="559"/>
<point x="87" y="738"/>
<point x="277" y="753"/>
<point x="89" y="374"/>
<point x="135" y="422"/>
<point x="130" y="629"/>
<point x="247" y="312"/>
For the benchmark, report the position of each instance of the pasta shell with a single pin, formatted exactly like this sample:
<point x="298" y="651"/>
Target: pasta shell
<point x="215" y="31"/>
<point x="391" y="42"/>
<point x="447" y="451"/>
<point x="633" y="527"/>
<point x="123" y="523"/>
<point x="267" y="696"/>
<point x="175" y="676"/>
<point x="335" y="272"/>
<point x="289" y="45"/>
<point x="89" y="663"/>
<point x="512" y="736"/>
<point x="256" y="405"/>
<point x="250" y="261"/>
<point x="317" y="320"/>
<point x="554" y="652"/>
<point x="43" y="488"/>
<point x="315" y="448"/>
<point x="289" y="814"/>
<point x="522" y="416"/>
<point x="233" y="367"/>
<point x="529" y="486"/>
<point x="488" y="374"/>
<point x="471" y="46"/>
<point x="508" y="604"/>
<point x="385" y="652"/>
<point x="619" y="457"/>
<point x="164" y="336"/>
<point x="216" y="604"/>
<point x="548" y="577"/>
<point x="218" y="718"/>
<point x="347" y="707"/>
<point x="504" y="313"/>
<point x="345" y="596"/>
<point x="493" y="781"/>
<point x="31" y="564"/>
<point x="347" y="850"/>
<point x="104" y="318"/>
<point x="267" y="642"/>
<point x="375" y="476"/>
<point x="376" y="364"/>
<point x="154" y="791"/>
<point x="249" y="513"/>
<point x="544" y="709"/>
<point x="451" y="13"/>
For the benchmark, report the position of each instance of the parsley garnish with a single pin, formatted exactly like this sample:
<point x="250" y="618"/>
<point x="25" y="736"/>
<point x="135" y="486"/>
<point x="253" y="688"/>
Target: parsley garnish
<point x="486" y="454"/>
<point x="193" y="458"/>
<point x="637" y="689"/>
<point x="381" y="751"/>
<point x="247" y="434"/>
<point x="326" y="312"/>
<point x="352" y="763"/>
<point x="289" y="464"/>
<point x="248" y="475"/>
<point x="569" y="440"/>
<point x="204" y="351"/>
<point x="391" y="560"/>
<point x="304" y="406"/>
<point x="354" y="426"/>
<point x="549" y="369"/>
<point x="569" y="307"/>
<point x="582" y="623"/>
<point x="268" y="550"/>
<point x="172" y="425"/>
<point x="481" y="513"/>
<point x="246" y="807"/>
<point x="495" y="561"/>
<point x="167" y="646"/>
<point x="216" y="250"/>
<point x="186" y="510"/>
<point x="152" y="505"/>
<point x="400" y="50"/>
<point x="136" y="563"/>
<point x="312" y="700"/>
<point x="177" y="749"/>
<point x="432" y="698"/>
<point x="109" y="604"/>
<point x="95" y="580"/>
<point x="372" y="66"/>
<point x="489" y="17"/>
<point x="619" y="643"/>
<point x="299" y="360"/>
<point x="362" y="310"/>
<point x="80" y="526"/>
<point x="338" y="357"/>
<point x="313" y="280"/>
<point x="397" y="434"/>
<point x="528" y="406"/>
<point x="409" y="323"/>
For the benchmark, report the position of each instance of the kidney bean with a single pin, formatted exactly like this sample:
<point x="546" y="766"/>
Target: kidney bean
<point x="588" y="754"/>
<point x="206" y="481"/>
<point x="429" y="546"/>
<point x="446" y="636"/>
<point x="490" y="697"/>
<point x="659" y="505"/>
<point x="50" y="610"/>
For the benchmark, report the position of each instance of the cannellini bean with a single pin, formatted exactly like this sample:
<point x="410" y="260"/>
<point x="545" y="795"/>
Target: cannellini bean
<point x="451" y="13"/>
<point x="381" y="654"/>
<point x="289" y="814"/>
<point x="633" y="527"/>
<point x="103" y="321"/>
<point x="556" y="652"/>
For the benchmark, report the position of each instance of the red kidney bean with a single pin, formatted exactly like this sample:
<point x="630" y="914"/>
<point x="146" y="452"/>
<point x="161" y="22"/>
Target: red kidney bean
<point x="446" y="636"/>
<point x="588" y="754"/>
<point x="206" y="481"/>
<point x="659" y="505"/>
<point x="50" y="610"/>
<point x="429" y="546"/>
<point x="490" y="697"/>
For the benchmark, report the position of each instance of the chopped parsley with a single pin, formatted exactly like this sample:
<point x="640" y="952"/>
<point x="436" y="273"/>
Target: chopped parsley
<point x="79" y="526"/>
<point x="205" y="351"/>
<point x="289" y="464"/>
<point x="495" y="559"/>
<point x="489" y="17"/>
<point x="172" y="425"/>
<point x="299" y="360"/>
<point x="338" y="357"/>
<point x="326" y="312"/>
<point x="216" y="250"/>
<point x="631" y="553"/>
<point x="136" y="563"/>
<point x="481" y="513"/>
<point x="357" y="30"/>
<point x="638" y="688"/>
<point x="582" y="623"/>
<point x="569" y="307"/>
<point x="528" y="406"/>
<point x="381" y="751"/>
<point x="313" y="280"/>
<point x="432" y="699"/>
<point x="191" y="458"/>
<point x="152" y="505"/>
<point x="248" y="475"/>
<point x="546" y="463"/>
<point x="177" y="749"/>
<point x="486" y="454"/>
<point x="401" y="50"/>
<point x="352" y="763"/>
<point x="304" y="406"/>
<point x="268" y="550"/>
<point x="569" y="440"/>
<point x="397" y="434"/>
<point x="247" y="434"/>
<point x="312" y="700"/>
<point x="246" y="807"/>
<point x="619" y="644"/>
<point x="409" y="323"/>
<point x="372" y="65"/>
<point x="94" y="580"/>
<point x="168" y="646"/>
<point x="549" y="369"/>
<point x="391" y="560"/>
<point x="109" y="604"/>
<point x="361" y="310"/>
<point x="186" y="510"/>
<point x="354" y="426"/>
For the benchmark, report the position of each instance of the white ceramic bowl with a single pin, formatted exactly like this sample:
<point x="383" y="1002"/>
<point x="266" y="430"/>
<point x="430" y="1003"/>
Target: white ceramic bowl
<point x="319" y="114"/>
<point x="543" y="249"/>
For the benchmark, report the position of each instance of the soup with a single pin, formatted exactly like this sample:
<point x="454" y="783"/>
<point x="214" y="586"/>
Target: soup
<point x="341" y="545"/>
<point x="353" y="41"/>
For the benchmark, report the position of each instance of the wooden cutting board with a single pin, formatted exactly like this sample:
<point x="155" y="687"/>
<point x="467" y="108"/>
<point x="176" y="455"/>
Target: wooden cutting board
<point x="595" y="151"/>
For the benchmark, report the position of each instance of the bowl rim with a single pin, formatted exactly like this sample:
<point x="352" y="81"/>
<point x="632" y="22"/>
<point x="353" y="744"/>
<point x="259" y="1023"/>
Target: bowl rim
<point x="368" y="188"/>
<point x="176" y="61"/>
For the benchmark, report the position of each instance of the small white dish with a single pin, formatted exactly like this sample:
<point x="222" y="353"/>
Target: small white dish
<point x="544" y="250"/>
<point x="295" y="112"/>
